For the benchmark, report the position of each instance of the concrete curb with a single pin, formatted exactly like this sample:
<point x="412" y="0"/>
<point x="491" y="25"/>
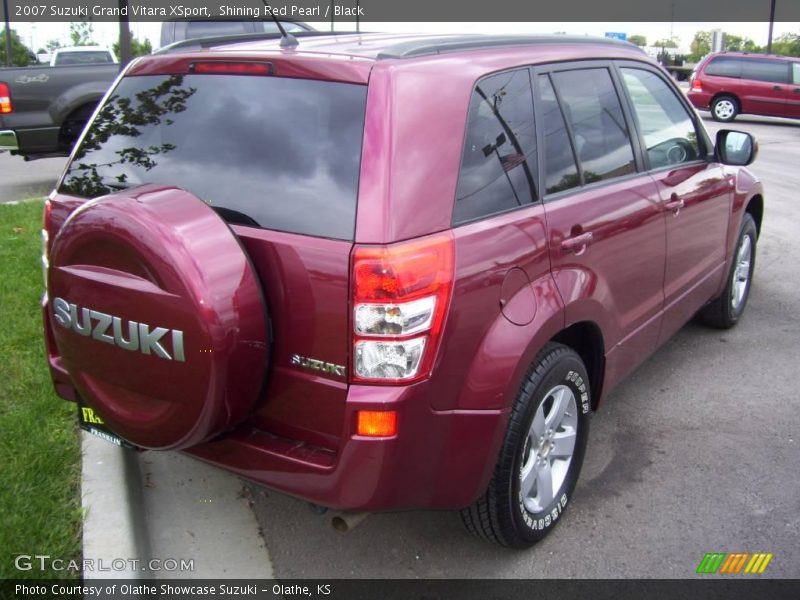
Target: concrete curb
<point x="111" y="496"/>
<point x="164" y="507"/>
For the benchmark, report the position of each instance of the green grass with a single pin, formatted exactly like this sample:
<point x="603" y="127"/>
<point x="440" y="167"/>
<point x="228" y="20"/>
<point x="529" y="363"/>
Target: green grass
<point x="40" y="509"/>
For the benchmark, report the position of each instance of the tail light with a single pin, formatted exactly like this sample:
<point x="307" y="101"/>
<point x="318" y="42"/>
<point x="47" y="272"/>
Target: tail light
<point x="401" y="294"/>
<point x="5" y="99"/>
<point x="231" y="67"/>
<point x="696" y="85"/>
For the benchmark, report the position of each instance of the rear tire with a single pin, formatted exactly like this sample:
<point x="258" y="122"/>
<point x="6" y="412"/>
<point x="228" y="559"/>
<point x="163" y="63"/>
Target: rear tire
<point x="73" y="125"/>
<point x="541" y="455"/>
<point x="724" y="109"/>
<point x="726" y="309"/>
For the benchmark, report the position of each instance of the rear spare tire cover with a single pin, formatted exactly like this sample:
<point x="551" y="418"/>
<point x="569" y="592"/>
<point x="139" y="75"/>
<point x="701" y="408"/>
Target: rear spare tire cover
<point x="158" y="316"/>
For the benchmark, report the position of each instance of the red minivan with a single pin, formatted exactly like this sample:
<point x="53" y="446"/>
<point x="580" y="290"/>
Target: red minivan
<point x="386" y="272"/>
<point x="732" y="83"/>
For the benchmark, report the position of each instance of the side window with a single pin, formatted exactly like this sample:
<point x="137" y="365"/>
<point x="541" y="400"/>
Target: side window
<point x="724" y="66"/>
<point x="796" y="73"/>
<point x="669" y="133"/>
<point x="499" y="158"/>
<point x="599" y="132"/>
<point x="560" y="170"/>
<point x="773" y="71"/>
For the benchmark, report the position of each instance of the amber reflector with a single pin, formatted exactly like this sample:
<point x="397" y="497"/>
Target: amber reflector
<point x="376" y="423"/>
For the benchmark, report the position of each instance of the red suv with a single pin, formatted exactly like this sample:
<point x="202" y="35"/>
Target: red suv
<point x="389" y="272"/>
<point x="729" y="84"/>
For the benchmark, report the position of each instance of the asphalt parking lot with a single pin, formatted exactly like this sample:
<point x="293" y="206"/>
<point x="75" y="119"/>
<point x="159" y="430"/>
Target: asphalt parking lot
<point x="699" y="451"/>
<point x="22" y="180"/>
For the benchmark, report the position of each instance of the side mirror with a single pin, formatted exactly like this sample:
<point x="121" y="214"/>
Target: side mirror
<point x="735" y="148"/>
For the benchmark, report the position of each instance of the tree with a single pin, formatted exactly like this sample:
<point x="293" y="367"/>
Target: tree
<point x="735" y="43"/>
<point x="52" y="45"/>
<point x="80" y="34"/>
<point x="21" y="55"/>
<point x="700" y="46"/>
<point x="138" y="48"/>
<point x="637" y="40"/>
<point x="666" y="43"/>
<point x="787" y="44"/>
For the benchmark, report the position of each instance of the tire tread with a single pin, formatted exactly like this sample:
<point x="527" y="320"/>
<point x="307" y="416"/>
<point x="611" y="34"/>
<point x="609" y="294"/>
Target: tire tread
<point x="483" y="519"/>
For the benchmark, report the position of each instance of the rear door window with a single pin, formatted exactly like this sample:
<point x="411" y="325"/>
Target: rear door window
<point x="594" y="114"/>
<point x="560" y="168"/>
<point x="499" y="158"/>
<point x="773" y="71"/>
<point x="724" y="66"/>
<point x="264" y="151"/>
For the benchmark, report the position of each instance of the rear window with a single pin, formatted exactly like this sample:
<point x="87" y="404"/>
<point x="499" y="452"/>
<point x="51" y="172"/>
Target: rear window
<point x="197" y="29"/>
<point x="83" y="58"/>
<point x="267" y="152"/>
<point x="724" y="66"/>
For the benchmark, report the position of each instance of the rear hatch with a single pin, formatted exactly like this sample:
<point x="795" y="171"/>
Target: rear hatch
<point x="278" y="159"/>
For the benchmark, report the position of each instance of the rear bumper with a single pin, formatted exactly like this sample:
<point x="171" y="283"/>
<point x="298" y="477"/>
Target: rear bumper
<point x="8" y="140"/>
<point x="438" y="459"/>
<point x="699" y="99"/>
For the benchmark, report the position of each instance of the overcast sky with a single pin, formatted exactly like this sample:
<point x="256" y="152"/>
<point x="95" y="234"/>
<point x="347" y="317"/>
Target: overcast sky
<point x="37" y="34"/>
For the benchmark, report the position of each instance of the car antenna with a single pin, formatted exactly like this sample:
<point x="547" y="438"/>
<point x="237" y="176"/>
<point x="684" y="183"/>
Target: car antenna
<point x="287" y="39"/>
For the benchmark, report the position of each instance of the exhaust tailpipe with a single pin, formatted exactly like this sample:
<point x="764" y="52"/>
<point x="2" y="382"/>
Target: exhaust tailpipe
<point x="346" y="522"/>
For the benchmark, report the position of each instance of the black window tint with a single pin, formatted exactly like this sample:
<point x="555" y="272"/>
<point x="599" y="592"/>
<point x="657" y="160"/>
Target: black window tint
<point x="669" y="133"/>
<point x="724" y="66"/>
<point x="82" y="58"/>
<point x="775" y="71"/>
<point x="599" y="133"/>
<point x="560" y="170"/>
<point x="264" y="151"/>
<point x="499" y="157"/>
<point x="198" y="29"/>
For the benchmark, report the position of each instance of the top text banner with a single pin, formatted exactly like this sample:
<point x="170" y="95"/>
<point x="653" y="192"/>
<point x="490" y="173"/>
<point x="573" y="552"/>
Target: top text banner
<point x="406" y="10"/>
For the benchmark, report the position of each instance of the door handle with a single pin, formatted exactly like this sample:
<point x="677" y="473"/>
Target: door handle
<point x="777" y="88"/>
<point x="578" y="243"/>
<point x="675" y="204"/>
<point x="796" y="90"/>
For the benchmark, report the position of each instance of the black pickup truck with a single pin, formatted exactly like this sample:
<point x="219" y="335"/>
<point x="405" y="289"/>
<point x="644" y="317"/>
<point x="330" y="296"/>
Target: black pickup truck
<point x="43" y="109"/>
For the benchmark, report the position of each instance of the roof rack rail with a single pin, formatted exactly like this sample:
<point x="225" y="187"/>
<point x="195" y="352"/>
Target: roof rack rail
<point x="439" y="45"/>
<point x="221" y="40"/>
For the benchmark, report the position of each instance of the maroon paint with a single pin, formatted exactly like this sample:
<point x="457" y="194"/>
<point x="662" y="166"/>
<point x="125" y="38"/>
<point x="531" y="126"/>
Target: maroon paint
<point x="506" y="304"/>
<point x="162" y="258"/>
<point x="754" y="97"/>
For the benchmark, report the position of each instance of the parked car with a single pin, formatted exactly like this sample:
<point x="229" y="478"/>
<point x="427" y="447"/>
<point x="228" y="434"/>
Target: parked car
<point x="389" y="272"/>
<point x="81" y="55"/>
<point x="731" y="83"/>
<point x="178" y="31"/>
<point x="43" y="109"/>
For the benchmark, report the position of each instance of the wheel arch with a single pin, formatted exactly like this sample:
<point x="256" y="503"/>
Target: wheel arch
<point x="755" y="208"/>
<point x="586" y="338"/>
<point x="722" y="93"/>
